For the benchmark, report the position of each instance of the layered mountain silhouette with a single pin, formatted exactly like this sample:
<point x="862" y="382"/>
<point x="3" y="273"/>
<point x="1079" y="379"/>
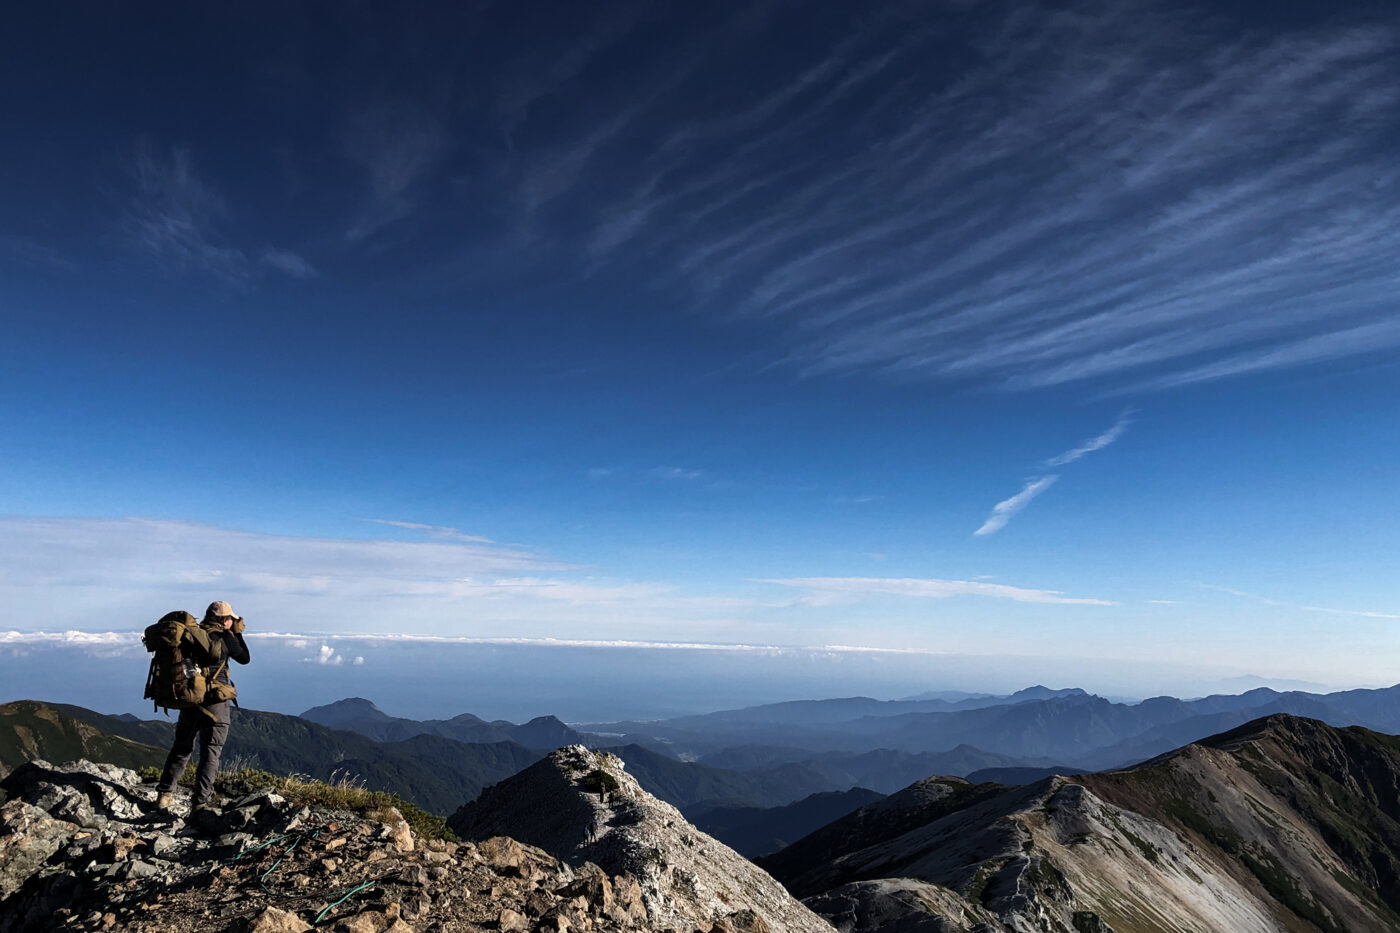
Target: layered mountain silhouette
<point x="431" y="771"/>
<point x="1034" y="728"/>
<point x="357" y="714"/>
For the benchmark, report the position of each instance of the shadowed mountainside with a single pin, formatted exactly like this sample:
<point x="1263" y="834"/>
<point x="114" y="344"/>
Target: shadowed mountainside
<point x="1283" y="824"/>
<point x="752" y="832"/>
<point x="30" y="730"/>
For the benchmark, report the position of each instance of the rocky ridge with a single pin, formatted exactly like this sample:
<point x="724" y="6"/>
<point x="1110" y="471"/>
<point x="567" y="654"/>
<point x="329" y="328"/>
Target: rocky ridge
<point x="83" y="848"/>
<point x="1286" y="824"/>
<point x="582" y="806"/>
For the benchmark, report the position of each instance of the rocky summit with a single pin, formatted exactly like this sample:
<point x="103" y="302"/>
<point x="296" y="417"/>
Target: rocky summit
<point x="1285" y="824"/>
<point x="83" y="847"/>
<point x="583" y="807"/>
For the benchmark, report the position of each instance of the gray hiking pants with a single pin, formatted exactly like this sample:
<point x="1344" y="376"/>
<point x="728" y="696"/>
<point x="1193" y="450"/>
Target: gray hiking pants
<point x="211" y="732"/>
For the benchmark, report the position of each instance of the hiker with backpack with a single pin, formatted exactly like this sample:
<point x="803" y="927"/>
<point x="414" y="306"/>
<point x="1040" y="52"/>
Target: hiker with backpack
<point x="190" y="673"/>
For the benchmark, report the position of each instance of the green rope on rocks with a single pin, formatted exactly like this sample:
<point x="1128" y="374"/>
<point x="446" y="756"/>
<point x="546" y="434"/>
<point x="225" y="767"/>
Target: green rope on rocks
<point x="263" y="880"/>
<point x="261" y="845"/>
<point x="329" y="907"/>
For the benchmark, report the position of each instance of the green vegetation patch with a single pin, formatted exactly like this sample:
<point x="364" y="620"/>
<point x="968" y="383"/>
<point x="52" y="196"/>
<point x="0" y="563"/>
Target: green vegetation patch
<point x="599" y="781"/>
<point x="343" y="794"/>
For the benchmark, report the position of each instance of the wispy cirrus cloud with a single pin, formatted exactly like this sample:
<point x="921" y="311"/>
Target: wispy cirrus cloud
<point x="1282" y="604"/>
<point x="73" y="569"/>
<point x="287" y="262"/>
<point x="1093" y="443"/>
<point x="1090" y="193"/>
<point x="134" y="553"/>
<point x="824" y="590"/>
<point x="1007" y="509"/>
<point x="174" y="214"/>
<point x="176" y="217"/>
<point x="441" y="532"/>
<point x="398" y="145"/>
<point x="669" y="472"/>
<point x="327" y="654"/>
<point x="31" y="252"/>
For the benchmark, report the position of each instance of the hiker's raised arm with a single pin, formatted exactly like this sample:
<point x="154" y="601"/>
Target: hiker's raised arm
<point x="237" y="647"/>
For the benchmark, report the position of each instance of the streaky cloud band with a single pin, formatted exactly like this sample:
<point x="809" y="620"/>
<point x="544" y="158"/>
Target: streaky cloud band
<point x="75" y="638"/>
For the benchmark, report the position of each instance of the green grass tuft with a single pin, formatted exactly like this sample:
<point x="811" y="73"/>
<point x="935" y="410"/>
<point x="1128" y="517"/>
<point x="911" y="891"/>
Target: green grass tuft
<point x="342" y="792"/>
<point x="599" y="781"/>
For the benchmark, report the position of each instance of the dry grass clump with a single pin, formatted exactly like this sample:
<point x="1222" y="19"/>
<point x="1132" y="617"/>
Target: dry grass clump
<point x="342" y="791"/>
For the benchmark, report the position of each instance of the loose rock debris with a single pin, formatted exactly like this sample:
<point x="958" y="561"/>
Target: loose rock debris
<point x="83" y="848"/>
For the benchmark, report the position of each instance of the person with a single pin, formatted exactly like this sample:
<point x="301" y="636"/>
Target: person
<point x="208" y="722"/>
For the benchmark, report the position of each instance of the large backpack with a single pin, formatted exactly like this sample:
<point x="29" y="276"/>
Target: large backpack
<point x="178" y="678"/>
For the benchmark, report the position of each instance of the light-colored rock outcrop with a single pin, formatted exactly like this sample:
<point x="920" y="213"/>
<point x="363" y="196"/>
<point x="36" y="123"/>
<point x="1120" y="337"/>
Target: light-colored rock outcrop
<point x="583" y="806"/>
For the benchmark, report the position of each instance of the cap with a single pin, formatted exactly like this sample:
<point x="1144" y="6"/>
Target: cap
<point x="221" y="608"/>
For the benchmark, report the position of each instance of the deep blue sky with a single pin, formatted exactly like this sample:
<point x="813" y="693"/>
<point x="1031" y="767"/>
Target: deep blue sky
<point x="1064" y="330"/>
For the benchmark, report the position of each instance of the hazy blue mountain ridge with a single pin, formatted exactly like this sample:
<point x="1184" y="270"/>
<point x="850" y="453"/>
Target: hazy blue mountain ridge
<point x="1070" y="729"/>
<point x="356" y="714"/>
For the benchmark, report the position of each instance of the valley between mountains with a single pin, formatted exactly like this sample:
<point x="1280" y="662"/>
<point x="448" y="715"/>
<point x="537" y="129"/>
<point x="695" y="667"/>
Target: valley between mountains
<point x="860" y="815"/>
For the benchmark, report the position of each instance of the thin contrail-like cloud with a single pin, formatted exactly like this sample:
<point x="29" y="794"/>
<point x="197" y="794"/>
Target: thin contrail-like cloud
<point x="1006" y="509"/>
<point x="1093" y="444"/>
<point x="1359" y="613"/>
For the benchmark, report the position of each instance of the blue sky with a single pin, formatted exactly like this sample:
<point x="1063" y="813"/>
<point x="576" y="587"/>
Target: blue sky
<point x="1063" y="331"/>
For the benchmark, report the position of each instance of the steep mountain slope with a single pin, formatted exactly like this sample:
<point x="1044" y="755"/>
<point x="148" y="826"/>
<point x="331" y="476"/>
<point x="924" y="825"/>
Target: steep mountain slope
<point x="582" y="806"/>
<point x="1283" y="824"/>
<point x="810" y="865"/>
<point x="30" y="729"/>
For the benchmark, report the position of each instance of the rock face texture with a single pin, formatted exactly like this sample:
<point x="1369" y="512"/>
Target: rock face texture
<point x="82" y="847"/>
<point x="582" y="806"/>
<point x="1285" y="824"/>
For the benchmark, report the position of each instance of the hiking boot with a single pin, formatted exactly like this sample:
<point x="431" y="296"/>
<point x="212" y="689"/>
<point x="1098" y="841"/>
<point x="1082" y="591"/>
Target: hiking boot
<point x="205" y="819"/>
<point x="165" y="801"/>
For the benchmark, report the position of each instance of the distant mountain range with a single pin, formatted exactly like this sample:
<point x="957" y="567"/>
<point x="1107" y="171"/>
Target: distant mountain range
<point x="434" y="772"/>
<point x="1036" y="727"/>
<point x="750" y="760"/>
<point x="544" y="733"/>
